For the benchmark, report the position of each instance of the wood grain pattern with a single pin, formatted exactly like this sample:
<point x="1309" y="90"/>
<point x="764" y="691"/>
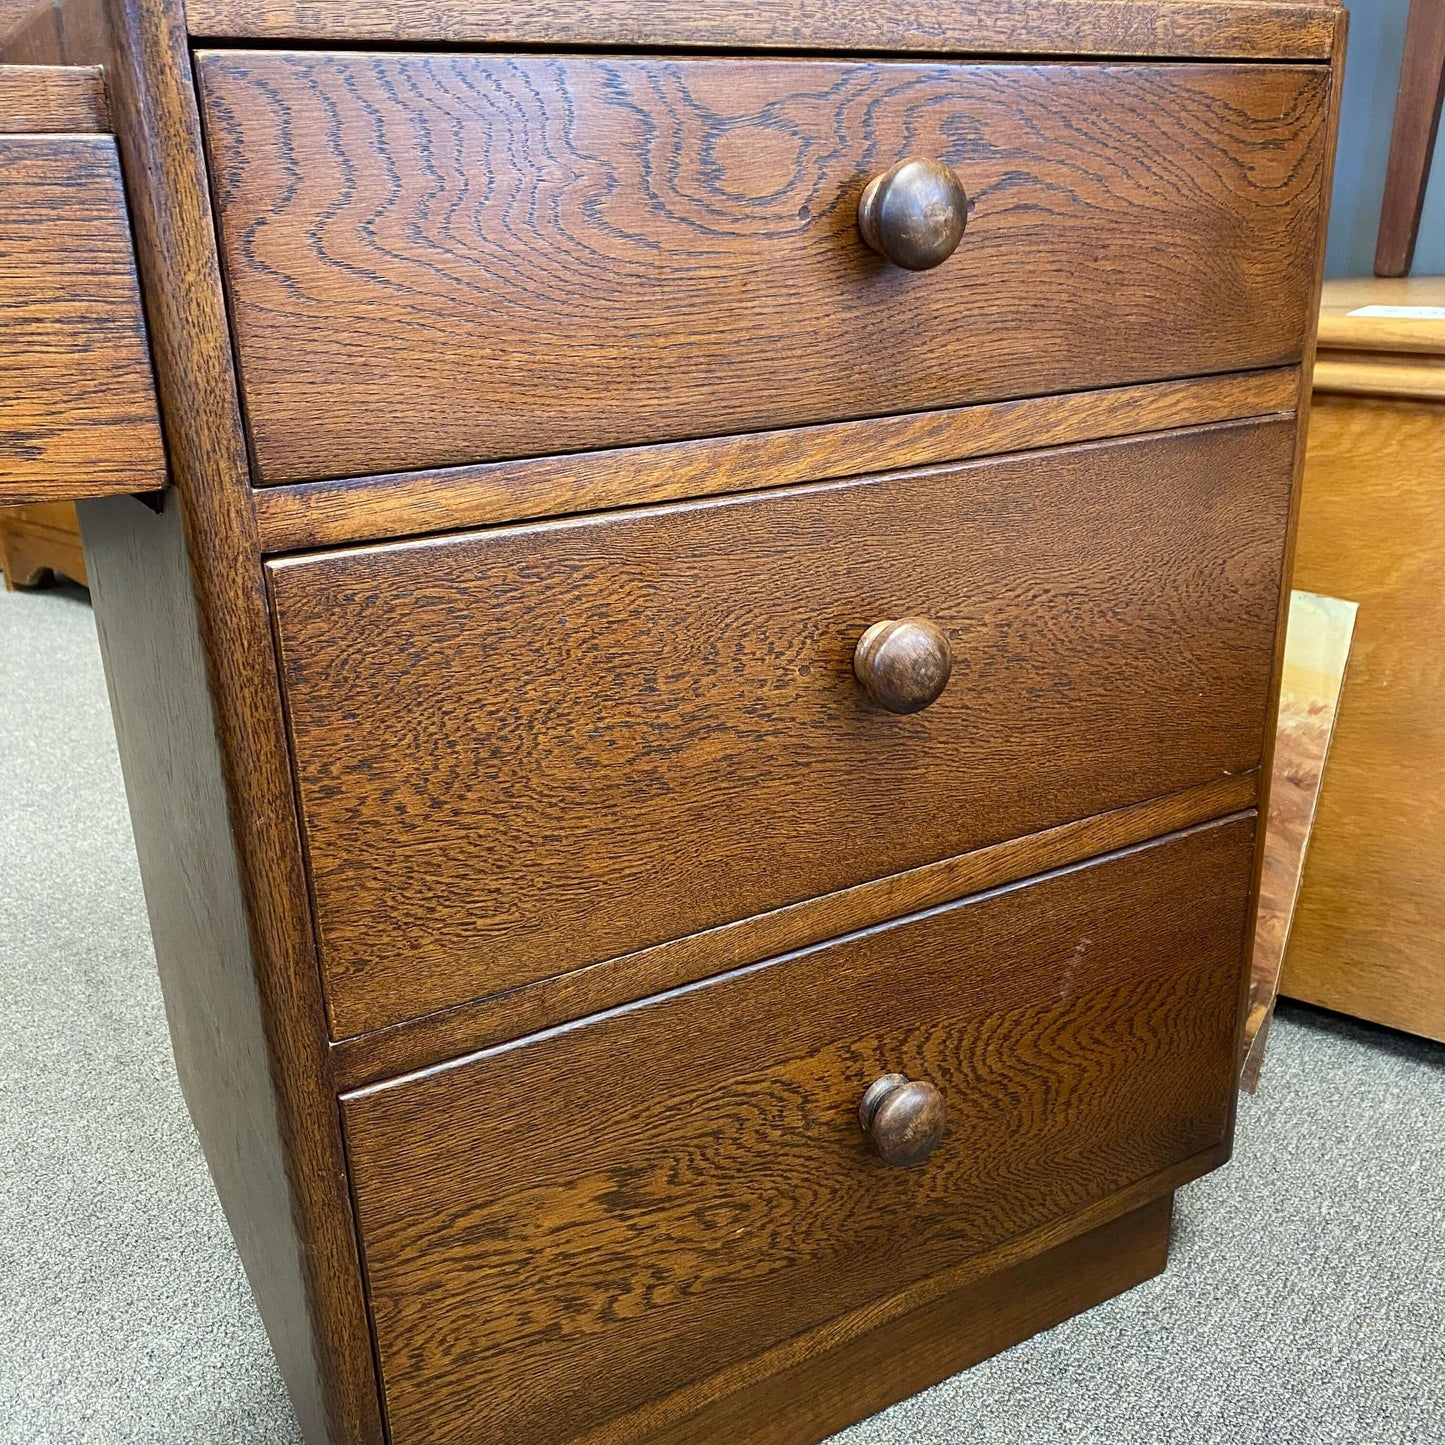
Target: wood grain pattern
<point x="399" y="230"/>
<point x="1369" y="932"/>
<point x="77" y="403"/>
<point x="1316" y="653"/>
<point x="38" y="539"/>
<point x="807" y="1401"/>
<point x="52" y="98"/>
<point x="1371" y="373"/>
<point x="190" y="658"/>
<point x="1289" y="30"/>
<point x="1412" y="140"/>
<point x="358" y="509"/>
<point x="1342" y="330"/>
<point x="671" y="1417"/>
<point x="11" y="13"/>
<point x="654" y="1195"/>
<point x="31" y="32"/>
<point x="509" y="744"/>
<point x="432" y="1039"/>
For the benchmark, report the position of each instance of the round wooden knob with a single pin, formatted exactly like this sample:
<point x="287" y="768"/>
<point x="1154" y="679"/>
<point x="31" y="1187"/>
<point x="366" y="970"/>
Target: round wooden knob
<point x="903" y="1120"/>
<point x="914" y="214"/>
<point x="904" y="664"/>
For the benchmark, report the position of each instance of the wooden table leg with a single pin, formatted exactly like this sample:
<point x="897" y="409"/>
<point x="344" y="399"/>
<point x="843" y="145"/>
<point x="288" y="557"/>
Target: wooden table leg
<point x="1412" y="143"/>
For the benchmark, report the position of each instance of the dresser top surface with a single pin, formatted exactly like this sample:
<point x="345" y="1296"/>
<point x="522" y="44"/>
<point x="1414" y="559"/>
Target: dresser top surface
<point x="1214" y="29"/>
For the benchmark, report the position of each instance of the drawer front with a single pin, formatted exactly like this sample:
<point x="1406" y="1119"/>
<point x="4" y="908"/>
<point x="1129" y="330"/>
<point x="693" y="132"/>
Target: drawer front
<point x="524" y="750"/>
<point x="445" y="259"/>
<point x="78" y="414"/>
<point x="559" y="1231"/>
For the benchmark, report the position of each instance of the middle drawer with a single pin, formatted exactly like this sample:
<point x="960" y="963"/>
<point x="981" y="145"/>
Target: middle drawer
<point x="523" y="750"/>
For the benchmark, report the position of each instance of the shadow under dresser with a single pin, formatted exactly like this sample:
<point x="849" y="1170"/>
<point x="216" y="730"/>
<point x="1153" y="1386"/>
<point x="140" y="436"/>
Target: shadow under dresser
<point x="696" y="669"/>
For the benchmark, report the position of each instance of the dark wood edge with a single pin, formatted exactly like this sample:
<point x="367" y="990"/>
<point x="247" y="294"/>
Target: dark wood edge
<point x="57" y="111"/>
<point x="1287" y="574"/>
<point x="52" y="99"/>
<point x="323" y="514"/>
<point x="672" y="1410"/>
<point x="1154" y="29"/>
<point x="370" y="1059"/>
<point x="143" y="47"/>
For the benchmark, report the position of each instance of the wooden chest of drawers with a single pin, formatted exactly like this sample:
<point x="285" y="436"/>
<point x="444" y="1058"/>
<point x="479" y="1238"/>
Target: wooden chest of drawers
<point x="695" y="700"/>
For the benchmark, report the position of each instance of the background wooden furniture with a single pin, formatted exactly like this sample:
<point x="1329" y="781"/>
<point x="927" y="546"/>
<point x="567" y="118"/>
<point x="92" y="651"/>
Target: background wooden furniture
<point x="1412" y="141"/>
<point x="1316" y="654"/>
<point x="543" y="908"/>
<point x="1369" y="933"/>
<point x="41" y="538"/>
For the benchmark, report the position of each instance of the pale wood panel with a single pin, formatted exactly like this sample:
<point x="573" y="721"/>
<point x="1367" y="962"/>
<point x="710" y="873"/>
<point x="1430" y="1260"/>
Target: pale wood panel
<point x="1369" y="934"/>
<point x="40" y="538"/>
<point x="1364" y="373"/>
<point x="77" y="402"/>
<point x="1342" y="331"/>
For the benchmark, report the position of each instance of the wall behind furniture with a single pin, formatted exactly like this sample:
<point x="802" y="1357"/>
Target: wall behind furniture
<point x="1372" y="77"/>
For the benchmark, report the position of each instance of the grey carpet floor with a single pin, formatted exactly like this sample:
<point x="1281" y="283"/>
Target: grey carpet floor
<point x="1305" y="1300"/>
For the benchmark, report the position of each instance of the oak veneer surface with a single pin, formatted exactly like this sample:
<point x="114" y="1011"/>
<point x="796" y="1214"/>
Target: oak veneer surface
<point x="186" y="631"/>
<point x="358" y="509"/>
<point x="51" y="98"/>
<point x="597" y="1193"/>
<point x="1368" y="937"/>
<point x="400" y="231"/>
<point x="1400" y="355"/>
<point x="77" y="402"/>
<point x="511" y="745"/>
<point x="1288" y="30"/>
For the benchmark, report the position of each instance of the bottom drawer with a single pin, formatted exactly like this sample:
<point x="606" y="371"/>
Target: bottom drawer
<point x="560" y="1230"/>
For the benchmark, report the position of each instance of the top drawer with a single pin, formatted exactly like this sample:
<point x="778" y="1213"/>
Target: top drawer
<point x="441" y="259"/>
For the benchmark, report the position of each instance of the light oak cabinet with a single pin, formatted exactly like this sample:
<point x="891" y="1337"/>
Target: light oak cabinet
<point x="1369" y="932"/>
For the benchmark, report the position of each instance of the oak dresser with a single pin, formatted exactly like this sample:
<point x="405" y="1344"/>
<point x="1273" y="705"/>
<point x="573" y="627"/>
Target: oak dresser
<point x="692" y="601"/>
